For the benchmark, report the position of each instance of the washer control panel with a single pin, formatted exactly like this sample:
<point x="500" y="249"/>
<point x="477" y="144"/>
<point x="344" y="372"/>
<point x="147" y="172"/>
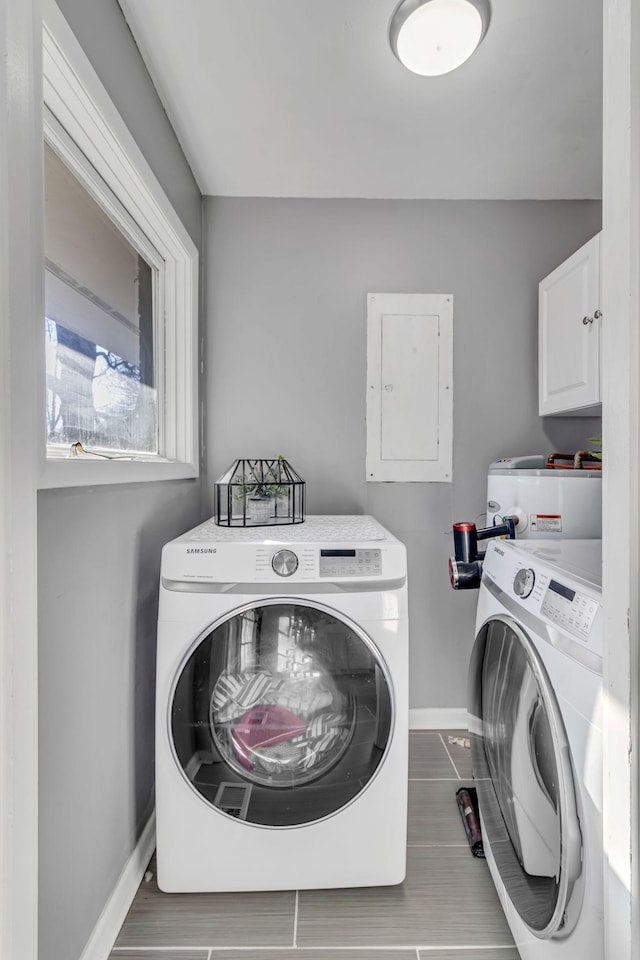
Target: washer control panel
<point x="573" y="611"/>
<point x="351" y="563"/>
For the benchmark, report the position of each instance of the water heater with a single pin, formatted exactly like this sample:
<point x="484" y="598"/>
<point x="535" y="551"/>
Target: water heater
<point x="548" y="504"/>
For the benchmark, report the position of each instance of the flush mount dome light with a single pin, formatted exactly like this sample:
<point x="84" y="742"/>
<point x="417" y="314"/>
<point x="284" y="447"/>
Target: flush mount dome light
<point x="431" y="37"/>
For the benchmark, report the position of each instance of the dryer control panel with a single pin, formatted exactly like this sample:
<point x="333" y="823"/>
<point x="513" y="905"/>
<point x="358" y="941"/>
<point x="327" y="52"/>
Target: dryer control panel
<point x="569" y="608"/>
<point x="551" y="588"/>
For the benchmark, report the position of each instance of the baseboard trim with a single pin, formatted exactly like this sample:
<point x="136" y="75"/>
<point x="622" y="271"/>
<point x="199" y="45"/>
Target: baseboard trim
<point x="106" y="930"/>
<point x="438" y="718"/>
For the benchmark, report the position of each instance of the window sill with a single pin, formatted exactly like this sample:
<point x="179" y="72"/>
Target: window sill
<point x="88" y="473"/>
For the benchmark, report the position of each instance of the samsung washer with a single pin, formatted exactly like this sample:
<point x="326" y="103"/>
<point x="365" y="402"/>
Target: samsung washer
<point x="282" y="707"/>
<point x="535" y="697"/>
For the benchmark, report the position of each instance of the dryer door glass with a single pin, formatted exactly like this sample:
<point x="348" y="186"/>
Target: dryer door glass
<point x="281" y="714"/>
<point x="523" y="776"/>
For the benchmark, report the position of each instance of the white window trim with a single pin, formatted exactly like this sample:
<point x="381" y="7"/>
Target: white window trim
<point x="75" y="96"/>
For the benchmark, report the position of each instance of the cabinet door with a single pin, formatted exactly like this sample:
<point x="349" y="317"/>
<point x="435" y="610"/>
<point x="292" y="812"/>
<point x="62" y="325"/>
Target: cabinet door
<point x="569" y="335"/>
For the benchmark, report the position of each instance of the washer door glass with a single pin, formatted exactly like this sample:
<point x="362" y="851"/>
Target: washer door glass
<point x="523" y="776"/>
<point x="281" y="713"/>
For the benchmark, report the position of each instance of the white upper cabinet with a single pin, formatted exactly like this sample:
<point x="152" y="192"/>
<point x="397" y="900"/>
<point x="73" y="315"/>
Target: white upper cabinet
<point x="569" y="335"/>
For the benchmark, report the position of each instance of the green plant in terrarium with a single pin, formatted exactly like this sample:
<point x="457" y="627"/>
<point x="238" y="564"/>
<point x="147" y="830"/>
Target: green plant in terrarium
<point x="279" y="488"/>
<point x="252" y="486"/>
<point x="598" y="451"/>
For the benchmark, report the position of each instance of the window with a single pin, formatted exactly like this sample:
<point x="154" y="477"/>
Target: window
<point x="120" y="325"/>
<point x="100" y="314"/>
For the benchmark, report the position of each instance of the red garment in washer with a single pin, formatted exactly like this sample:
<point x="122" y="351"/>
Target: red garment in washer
<point x="262" y="727"/>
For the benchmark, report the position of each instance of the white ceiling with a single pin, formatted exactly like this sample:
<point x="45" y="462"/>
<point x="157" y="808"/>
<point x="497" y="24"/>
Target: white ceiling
<point x="303" y="98"/>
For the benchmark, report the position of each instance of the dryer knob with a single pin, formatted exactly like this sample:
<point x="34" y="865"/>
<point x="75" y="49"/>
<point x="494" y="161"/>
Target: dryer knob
<point x="284" y="563"/>
<point x="524" y="582"/>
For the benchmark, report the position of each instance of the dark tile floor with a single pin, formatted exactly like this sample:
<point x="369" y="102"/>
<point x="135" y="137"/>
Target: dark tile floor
<point x="446" y="909"/>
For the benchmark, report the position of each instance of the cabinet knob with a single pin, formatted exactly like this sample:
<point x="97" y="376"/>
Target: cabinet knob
<point x="597" y="314"/>
<point x="587" y="320"/>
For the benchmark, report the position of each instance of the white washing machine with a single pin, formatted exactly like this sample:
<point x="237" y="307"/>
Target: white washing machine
<point x="282" y="707"/>
<point x="535" y="692"/>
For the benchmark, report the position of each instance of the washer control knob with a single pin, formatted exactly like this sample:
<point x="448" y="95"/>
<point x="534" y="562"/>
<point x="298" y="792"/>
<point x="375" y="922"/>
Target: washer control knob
<point x="523" y="582"/>
<point x="284" y="563"/>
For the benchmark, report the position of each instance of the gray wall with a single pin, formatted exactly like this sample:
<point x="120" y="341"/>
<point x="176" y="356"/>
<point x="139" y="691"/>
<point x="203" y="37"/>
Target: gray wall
<point x="99" y="554"/>
<point x="104" y="35"/>
<point x="285" y="308"/>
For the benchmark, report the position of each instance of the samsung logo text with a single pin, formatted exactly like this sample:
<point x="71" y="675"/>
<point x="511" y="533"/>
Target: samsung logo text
<point x="202" y="550"/>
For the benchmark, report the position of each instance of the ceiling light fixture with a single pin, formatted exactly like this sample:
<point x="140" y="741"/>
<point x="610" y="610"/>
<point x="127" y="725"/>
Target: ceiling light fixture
<point x="432" y="37"/>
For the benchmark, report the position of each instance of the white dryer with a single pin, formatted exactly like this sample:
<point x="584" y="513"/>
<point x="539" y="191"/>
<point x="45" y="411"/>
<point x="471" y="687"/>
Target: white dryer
<point x="282" y="707"/>
<point x="535" y="692"/>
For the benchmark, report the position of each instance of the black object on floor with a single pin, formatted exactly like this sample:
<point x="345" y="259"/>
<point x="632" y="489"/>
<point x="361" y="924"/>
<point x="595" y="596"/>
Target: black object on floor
<point x="467" y="800"/>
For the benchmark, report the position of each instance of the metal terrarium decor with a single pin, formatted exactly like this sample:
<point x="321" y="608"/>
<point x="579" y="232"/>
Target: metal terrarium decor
<point x="259" y="493"/>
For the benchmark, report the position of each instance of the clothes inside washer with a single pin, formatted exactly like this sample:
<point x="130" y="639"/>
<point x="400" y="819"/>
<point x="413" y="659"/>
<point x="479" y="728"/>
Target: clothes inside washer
<point x="252" y="718"/>
<point x="233" y="694"/>
<point x="272" y="739"/>
<point x="262" y="728"/>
